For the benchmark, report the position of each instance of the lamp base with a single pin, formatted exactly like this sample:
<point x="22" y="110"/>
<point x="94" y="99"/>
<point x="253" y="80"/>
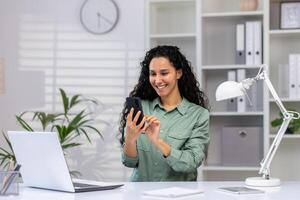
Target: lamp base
<point x="261" y="182"/>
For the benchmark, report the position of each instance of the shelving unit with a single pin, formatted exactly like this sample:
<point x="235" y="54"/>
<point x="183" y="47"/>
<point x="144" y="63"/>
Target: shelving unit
<point x="219" y="20"/>
<point x="205" y="32"/>
<point x="282" y="43"/>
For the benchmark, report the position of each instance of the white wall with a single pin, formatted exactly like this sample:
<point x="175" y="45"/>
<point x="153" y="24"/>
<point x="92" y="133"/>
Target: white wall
<point x="45" y="48"/>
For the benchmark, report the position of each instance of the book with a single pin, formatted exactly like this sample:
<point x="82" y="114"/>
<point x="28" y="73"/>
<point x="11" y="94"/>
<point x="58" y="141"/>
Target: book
<point x="241" y="100"/>
<point x="240" y="190"/>
<point x="172" y="192"/>
<point x="240" y="44"/>
<point x="231" y="103"/>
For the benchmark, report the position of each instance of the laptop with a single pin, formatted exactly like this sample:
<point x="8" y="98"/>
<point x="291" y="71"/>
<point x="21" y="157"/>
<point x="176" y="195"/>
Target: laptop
<point x="44" y="165"/>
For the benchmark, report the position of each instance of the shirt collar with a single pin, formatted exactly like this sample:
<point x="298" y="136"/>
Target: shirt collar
<point x="182" y="107"/>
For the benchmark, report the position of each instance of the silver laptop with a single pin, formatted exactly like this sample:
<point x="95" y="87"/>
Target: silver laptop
<point x="44" y="165"/>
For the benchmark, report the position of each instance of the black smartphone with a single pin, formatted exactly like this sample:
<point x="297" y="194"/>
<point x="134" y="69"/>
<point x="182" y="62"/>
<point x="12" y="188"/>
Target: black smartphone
<point x="135" y="103"/>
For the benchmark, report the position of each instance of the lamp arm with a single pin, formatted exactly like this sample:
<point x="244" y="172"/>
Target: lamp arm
<point x="274" y="93"/>
<point x="265" y="163"/>
<point x="287" y="117"/>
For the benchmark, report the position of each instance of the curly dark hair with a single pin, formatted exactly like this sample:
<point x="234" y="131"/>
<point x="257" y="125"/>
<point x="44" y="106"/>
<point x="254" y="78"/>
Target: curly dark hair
<point x="187" y="84"/>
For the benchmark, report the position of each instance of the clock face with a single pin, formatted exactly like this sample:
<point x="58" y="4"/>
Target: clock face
<point x="99" y="16"/>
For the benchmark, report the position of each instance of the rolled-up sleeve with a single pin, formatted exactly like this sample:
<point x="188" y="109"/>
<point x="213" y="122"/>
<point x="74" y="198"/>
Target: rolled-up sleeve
<point x="190" y="156"/>
<point x="131" y="162"/>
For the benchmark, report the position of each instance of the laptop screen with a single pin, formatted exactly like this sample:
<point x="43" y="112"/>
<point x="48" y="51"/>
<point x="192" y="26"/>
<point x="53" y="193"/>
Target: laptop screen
<point x="42" y="160"/>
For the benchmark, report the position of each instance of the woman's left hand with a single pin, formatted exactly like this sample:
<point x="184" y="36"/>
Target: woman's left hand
<point x="152" y="129"/>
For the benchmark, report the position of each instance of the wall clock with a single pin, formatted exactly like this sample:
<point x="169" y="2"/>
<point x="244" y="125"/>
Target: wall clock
<point x="99" y="16"/>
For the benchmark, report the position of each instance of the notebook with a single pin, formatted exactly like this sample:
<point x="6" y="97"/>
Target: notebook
<point x="44" y="165"/>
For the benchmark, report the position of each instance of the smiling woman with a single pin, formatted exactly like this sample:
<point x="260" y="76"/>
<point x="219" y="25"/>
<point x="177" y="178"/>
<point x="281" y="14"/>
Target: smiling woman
<point x="175" y="123"/>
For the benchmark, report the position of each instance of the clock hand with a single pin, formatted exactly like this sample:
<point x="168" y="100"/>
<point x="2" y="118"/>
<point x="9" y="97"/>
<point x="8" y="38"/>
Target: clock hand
<point x="106" y="19"/>
<point x="98" y="18"/>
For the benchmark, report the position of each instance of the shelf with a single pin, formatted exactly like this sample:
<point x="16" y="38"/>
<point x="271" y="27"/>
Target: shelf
<point x="284" y="32"/>
<point x="227" y="168"/>
<point x="285" y="100"/>
<point x="217" y="114"/>
<point x="173" y="35"/>
<point x="214" y="67"/>
<point x="232" y="14"/>
<point x="291" y="136"/>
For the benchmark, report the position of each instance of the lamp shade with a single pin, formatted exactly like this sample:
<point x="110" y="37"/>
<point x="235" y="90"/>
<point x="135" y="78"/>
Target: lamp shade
<point x="229" y="89"/>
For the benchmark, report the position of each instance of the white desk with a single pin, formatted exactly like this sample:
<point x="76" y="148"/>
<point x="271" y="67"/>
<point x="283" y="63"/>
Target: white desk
<point x="133" y="191"/>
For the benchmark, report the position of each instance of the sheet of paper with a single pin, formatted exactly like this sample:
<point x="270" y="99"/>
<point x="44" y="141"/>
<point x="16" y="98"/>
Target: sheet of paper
<point x="173" y="192"/>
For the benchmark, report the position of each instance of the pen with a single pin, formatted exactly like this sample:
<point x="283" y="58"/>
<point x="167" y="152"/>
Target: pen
<point x="10" y="167"/>
<point x="10" y="180"/>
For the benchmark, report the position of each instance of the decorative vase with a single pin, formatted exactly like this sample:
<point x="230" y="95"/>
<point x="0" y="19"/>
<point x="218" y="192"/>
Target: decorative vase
<point x="248" y="5"/>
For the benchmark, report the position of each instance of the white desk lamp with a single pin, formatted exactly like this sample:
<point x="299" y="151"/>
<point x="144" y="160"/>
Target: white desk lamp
<point x="231" y="89"/>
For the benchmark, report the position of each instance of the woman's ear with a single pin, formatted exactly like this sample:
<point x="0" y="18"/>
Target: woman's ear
<point x="178" y="73"/>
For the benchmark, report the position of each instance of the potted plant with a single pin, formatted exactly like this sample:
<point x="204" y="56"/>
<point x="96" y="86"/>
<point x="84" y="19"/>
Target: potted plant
<point x="68" y="124"/>
<point x="293" y="127"/>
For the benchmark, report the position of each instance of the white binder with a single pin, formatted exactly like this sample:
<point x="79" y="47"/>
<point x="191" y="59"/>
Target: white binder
<point x="240" y="44"/>
<point x="241" y="101"/>
<point x="249" y="43"/>
<point x="231" y="103"/>
<point x="257" y="32"/>
<point x="293" y="75"/>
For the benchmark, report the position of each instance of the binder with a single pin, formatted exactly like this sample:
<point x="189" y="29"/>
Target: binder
<point x="249" y="43"/>
<point x="256" y="96"/>
<point x="240" y="44"/>
<point x="231" y="103"/>
<point x="241" y="101"/>
<point x="257" y="33"/>
<point x="293" y="75"/>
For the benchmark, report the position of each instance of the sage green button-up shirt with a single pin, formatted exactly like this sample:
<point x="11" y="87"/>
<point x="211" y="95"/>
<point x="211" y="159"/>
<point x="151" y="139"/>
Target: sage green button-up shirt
<point x="185" y="129"/>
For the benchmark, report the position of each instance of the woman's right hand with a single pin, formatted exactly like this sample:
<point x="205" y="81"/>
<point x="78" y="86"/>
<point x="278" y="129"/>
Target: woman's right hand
<point x="133" y="130"/>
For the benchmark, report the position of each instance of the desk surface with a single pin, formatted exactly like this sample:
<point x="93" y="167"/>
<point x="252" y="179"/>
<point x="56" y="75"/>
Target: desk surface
<point x="133" y="191"/>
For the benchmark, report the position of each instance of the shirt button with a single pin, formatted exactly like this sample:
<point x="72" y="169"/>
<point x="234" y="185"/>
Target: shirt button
<point x="155" y="164"/>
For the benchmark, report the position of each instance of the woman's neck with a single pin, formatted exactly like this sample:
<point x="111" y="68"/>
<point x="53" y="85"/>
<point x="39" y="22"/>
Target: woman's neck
<point x="171" y="101"/>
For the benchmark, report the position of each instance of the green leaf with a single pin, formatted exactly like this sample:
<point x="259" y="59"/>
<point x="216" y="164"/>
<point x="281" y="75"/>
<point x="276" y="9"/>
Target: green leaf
<point x="96" y="130"/>
<point x="69" y="145"/>
<point x="8" y="142"/>
<point x="86" y="135"/>
<point x="276" y="122"/>
<point x="65" y="100"/>
<point x="6" y="156"/>
<point x="75" y="174"/>
<point x="74" y="100"/>
<point x="24" y="124"/>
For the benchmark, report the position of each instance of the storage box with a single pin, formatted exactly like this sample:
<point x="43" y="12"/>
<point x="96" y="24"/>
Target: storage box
<point x="242" y="146"/>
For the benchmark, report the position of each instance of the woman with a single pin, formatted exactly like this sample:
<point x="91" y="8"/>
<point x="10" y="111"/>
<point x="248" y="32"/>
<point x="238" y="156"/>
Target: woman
<point x="175" y="124"/>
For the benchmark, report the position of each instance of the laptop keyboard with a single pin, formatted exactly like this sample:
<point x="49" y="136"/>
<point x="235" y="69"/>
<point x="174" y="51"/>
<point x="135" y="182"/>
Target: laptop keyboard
<point x="83" y="185"/>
